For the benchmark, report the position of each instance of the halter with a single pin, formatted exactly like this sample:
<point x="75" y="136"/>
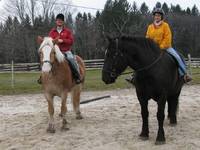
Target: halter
<point x="113" y="72"/>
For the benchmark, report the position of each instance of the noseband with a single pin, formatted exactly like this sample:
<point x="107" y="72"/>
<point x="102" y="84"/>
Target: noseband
<point x="47" y="61"/>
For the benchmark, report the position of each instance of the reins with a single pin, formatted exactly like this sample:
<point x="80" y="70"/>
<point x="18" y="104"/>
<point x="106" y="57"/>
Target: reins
<point x="149" y="66"/>
<point x="114" y="73"/>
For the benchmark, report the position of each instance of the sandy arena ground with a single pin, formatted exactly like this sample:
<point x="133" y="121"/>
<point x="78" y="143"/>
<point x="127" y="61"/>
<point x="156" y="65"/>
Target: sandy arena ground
<point x="109" y="124"/>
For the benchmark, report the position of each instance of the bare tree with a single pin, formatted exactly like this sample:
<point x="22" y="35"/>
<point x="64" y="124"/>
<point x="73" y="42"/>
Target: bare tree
<point x="16" y="7"/>
<point x="31" y="9"/>
<point x="48" y="7"/>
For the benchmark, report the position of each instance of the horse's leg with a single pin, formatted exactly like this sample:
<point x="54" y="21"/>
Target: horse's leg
<point x="172" y="108"/>
<point x="64" y="111"/>
<point x="160" y="117"/>
<point x="51" y="127"/>
<point x="76" y="92"/>
<point x="145" y="114"/>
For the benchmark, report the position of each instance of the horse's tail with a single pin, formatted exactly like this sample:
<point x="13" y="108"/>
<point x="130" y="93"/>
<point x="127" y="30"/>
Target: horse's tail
<point x="81" y="67"/>
<point x="75" y="97"/>
<point x="173" y="107"/>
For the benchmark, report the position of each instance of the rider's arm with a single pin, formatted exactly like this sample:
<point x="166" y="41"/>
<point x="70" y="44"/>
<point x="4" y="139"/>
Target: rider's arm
<point x="68" y="39"/>
<point x="167" y="38"/>
<point x="148" y="32"/>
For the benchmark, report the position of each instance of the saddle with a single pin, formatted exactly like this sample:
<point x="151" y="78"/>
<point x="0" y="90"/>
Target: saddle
<point x="74" y="69"/>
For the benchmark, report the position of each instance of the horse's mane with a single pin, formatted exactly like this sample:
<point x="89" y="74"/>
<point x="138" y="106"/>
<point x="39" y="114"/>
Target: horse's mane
<point x="48" y="41"/>
<point x="143" y="41"/>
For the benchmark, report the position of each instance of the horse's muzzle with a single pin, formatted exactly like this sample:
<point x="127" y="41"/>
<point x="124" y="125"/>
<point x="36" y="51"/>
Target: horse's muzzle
<point x="107" y="77"/>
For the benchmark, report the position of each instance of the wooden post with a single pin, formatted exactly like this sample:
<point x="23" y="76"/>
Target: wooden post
<point x="189" y="65"/>
<point x="12" y="74"/>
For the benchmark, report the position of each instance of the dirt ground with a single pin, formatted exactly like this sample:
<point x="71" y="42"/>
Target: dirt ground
<point x="109" y="124"/>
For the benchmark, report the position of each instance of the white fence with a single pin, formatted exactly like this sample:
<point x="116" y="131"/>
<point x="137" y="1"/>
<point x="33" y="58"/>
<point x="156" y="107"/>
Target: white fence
<point x="90" y="64"/>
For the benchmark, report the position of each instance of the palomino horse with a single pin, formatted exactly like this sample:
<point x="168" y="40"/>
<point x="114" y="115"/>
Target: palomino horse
<point x="57" y="80"/>
<point x="156" y="77"/>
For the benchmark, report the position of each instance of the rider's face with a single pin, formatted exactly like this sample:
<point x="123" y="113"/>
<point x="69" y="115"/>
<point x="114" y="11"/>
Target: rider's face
<point x="157" y="17"/>
<point x="59" y="22"/>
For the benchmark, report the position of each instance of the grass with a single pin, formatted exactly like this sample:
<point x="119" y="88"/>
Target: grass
<point x="196" y="75"/>
<point x="26" y="82"/>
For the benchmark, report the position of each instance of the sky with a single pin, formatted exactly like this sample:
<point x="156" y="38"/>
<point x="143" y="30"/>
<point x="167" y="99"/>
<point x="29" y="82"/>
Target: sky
<point x="150" y="3"/>
<point x="99" y="4"/>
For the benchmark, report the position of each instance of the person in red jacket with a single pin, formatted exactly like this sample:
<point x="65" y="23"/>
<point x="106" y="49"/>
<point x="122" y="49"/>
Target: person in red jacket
<point x="64" y="39"/>
<point x="62" y="34"/>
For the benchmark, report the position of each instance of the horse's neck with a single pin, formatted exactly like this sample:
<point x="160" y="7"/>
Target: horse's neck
<point x="61" y="66"/>
<point x="142" y="57"/>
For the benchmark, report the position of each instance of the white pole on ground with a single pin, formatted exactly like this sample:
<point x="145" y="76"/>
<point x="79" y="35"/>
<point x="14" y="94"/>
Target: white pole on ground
<point x="189" y="65"/>
<point x="12" y="72"/>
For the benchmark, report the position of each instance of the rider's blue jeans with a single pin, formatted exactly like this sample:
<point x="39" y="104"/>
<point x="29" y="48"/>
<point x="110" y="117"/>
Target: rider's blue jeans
<point x="181" y="62"/>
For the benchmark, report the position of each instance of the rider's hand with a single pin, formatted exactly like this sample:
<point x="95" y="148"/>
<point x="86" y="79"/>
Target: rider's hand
<point x="60" y="41"/>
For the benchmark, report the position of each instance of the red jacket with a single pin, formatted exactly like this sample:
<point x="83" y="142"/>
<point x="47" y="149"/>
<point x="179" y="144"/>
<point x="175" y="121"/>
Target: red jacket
<point x="65" y="35"/>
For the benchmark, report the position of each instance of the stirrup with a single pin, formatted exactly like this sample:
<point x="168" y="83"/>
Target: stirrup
<point x="39" y="81"/>
<point x="187" y="78"/>
<point x="77" y="81"/>
<point x="130" y="80"/>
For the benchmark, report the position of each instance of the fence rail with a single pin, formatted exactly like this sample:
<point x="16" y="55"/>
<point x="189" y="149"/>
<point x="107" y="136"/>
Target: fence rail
<point x="90" y="64"/>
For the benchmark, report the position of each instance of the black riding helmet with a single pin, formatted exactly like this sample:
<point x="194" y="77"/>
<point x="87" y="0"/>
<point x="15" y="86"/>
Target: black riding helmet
<point x="158" y="10"/>
<point x="60" y="16"/>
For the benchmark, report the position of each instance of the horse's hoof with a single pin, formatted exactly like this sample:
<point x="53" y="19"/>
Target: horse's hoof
<point x="79" y="117"/>
<point x="160" y="142"/>
<point x="63" y="128"/>
<point x="143" y="137"/>
<point x="50" y="130"/>
<point x="173" y="124"/>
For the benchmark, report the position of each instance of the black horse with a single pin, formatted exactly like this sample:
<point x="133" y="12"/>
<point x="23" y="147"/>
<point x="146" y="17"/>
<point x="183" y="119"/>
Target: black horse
<point x="156" y="77"/>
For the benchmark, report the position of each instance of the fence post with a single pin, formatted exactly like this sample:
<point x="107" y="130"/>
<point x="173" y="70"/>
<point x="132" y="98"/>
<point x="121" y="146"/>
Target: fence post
<point x="12" y="72"/>
<point x="189" y="65"/>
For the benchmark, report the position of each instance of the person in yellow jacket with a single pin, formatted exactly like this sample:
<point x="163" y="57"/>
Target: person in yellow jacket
<point x="160" y="32"/>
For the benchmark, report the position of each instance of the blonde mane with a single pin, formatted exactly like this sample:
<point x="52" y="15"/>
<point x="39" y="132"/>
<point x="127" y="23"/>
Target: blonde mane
<point x="48" y="41"/>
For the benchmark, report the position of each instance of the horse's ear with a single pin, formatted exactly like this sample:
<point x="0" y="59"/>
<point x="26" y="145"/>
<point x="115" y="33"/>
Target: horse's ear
<point x="40" y="39"/>
<point x="108" y="38"/>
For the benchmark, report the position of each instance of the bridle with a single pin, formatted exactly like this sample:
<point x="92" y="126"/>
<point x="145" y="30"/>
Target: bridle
<point x="47" y="61"/>
<point x="113" y="72"/>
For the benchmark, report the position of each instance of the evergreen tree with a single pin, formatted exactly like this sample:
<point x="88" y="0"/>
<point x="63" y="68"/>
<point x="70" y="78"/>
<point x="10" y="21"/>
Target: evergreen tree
<point x="188" y="11"/>
<point x="165" y="8"/>
<point x="144" y="9"/>
<point x="195" y="11"/>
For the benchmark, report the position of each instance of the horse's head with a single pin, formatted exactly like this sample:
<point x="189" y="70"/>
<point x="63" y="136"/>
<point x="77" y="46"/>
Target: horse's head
<point x="114" y="62"/>
<point x="49" y="54"/>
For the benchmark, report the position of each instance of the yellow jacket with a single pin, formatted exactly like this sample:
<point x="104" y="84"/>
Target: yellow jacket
<point x="160" y="34"/>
